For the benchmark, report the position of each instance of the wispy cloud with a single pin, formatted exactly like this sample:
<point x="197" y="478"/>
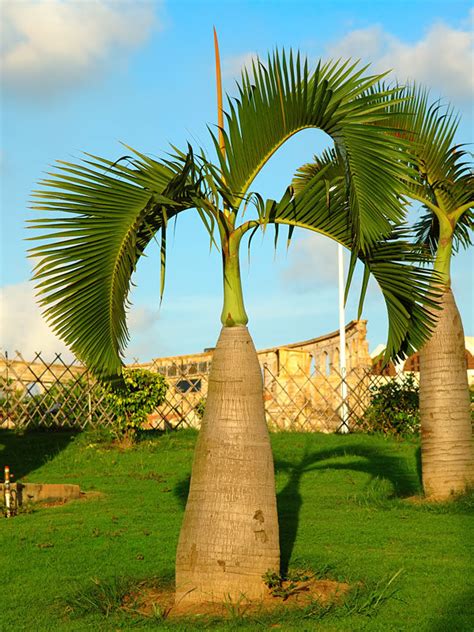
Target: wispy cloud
<point x="49" y="46"/>
<point x="312" y="264"/>
<point x="232" y="67"/>
<point x="442" y="59"/>
<point x="22" y="328"/>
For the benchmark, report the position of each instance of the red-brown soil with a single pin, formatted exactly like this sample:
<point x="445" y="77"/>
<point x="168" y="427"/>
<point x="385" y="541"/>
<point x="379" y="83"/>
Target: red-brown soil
<point x="152" y="601"/>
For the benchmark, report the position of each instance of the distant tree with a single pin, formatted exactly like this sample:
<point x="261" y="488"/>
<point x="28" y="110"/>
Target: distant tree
<point x="443" y="181"/>
<point x="444" y="185"/>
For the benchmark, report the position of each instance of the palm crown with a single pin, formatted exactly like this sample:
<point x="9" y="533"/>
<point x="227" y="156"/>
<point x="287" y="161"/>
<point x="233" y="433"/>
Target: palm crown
<point x="442" y="173"/>
<point x="105" y="213"/>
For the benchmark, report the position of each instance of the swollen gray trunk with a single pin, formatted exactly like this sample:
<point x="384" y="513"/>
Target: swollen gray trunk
<point x="229" y="537"/>
<point x="446" y="434"/>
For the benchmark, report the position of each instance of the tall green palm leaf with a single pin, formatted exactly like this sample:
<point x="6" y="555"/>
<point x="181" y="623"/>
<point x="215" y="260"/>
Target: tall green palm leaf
<point x="283" y="98"/>
<point x="104" y="216"/>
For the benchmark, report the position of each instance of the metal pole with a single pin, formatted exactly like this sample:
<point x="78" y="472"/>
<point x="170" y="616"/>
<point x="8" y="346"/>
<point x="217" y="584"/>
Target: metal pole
<point x="344" y="429"/>
<point x="7" y="391"/>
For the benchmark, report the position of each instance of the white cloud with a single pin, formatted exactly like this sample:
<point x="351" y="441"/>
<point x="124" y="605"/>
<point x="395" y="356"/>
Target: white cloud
<point x="312" y="263"/>
<point x="142" y="322"/>
<point x="442" y="59"/>
<point x="232" y="67"/>
<point x="51" y="45"/>
<point x="141" y="318"/>
<point x="22" y="328"/>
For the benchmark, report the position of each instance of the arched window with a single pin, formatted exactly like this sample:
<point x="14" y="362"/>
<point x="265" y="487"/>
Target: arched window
<point x="327" y="363"/>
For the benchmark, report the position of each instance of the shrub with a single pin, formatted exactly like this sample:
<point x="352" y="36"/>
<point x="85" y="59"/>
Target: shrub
<point x="142" y="392"/>
<point x="394" y="408"/>
<point x="200" y="407"/>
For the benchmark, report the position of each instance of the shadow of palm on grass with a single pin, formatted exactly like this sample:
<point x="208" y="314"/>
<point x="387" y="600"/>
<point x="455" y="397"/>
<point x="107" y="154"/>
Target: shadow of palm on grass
<point x="373" y="461"/>
<point x="459" y="610"/>
<point x="25" y="453"/>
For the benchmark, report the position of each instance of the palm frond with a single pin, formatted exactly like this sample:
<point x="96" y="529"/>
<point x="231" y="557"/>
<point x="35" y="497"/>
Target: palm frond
<point x="328" y="158"/>
<point x="409" y="291"/>
<point x="103" y="215"/>
<point x="444" y="171"/>
<point x="395" y="262"/>
<point x="284" y="97"/>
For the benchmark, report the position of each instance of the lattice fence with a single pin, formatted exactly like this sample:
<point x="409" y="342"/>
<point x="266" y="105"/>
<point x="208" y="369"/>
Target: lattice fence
<point x="54" y="393"/>
<point x="38" y="393"/>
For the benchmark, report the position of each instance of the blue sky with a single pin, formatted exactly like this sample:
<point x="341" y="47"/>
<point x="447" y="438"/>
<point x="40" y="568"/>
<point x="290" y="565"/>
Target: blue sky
<point x="86" y="74"/>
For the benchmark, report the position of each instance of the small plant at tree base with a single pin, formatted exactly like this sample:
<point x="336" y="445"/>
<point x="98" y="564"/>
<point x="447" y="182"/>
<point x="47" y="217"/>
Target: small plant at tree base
<point x="236" y="608"/>
<point x="394" y="408"/>
<point x="102" y="596"/>
<point x="140" y="394"/>
<point x="366" y="600"/>
<point x="285" y="586"/>
<point x="272" y="579"/>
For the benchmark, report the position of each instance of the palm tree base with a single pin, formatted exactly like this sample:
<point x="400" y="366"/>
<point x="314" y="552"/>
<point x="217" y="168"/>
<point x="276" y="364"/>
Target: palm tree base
<point x="446" y="432"/>
<point x="229" y="538"/>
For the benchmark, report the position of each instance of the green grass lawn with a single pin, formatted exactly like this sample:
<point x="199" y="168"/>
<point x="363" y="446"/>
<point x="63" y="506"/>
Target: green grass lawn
<point x="343" y="513"/>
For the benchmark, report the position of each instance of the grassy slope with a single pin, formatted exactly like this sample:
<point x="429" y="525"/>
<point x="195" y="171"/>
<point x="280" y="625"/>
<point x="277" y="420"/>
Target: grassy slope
<point x="340" y="503"/>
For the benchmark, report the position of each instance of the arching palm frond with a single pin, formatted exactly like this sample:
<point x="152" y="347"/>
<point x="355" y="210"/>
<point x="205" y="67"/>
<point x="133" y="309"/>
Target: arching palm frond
<point x="394" y="262"/>
<point x="284" y="97"/>
<point x="444" y="171"/>
<point x="306" y="172"/>
<point x="408" y="290"/>
<point x="103" y="216"/>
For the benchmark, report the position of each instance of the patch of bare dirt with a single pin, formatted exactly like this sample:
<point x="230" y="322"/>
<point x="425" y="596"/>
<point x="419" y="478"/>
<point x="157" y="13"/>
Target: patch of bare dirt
<point x="427" y="500"/>
<point x="91" y="495"/>
<point x="152" y="601"/>
<point x="124" y="443"/>
<point x="56" y="502"/>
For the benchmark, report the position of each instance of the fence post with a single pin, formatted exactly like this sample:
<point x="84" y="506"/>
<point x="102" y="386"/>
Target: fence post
<point x="344" y="427"/>
<point x="89" y="402"/>
<point x="7" y="390"/>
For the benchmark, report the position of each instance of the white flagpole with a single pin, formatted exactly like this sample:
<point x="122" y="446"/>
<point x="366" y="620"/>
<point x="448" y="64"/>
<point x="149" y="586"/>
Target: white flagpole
<point x="344" y="429"/>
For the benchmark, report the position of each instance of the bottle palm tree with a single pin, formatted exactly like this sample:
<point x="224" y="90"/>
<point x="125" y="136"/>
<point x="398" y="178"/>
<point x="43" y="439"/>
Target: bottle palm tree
<point x="444" y="185"/>
<point x="105" y="214"/>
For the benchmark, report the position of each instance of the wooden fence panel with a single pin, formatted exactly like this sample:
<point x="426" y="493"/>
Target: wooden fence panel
<point x="49" y="394"/>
